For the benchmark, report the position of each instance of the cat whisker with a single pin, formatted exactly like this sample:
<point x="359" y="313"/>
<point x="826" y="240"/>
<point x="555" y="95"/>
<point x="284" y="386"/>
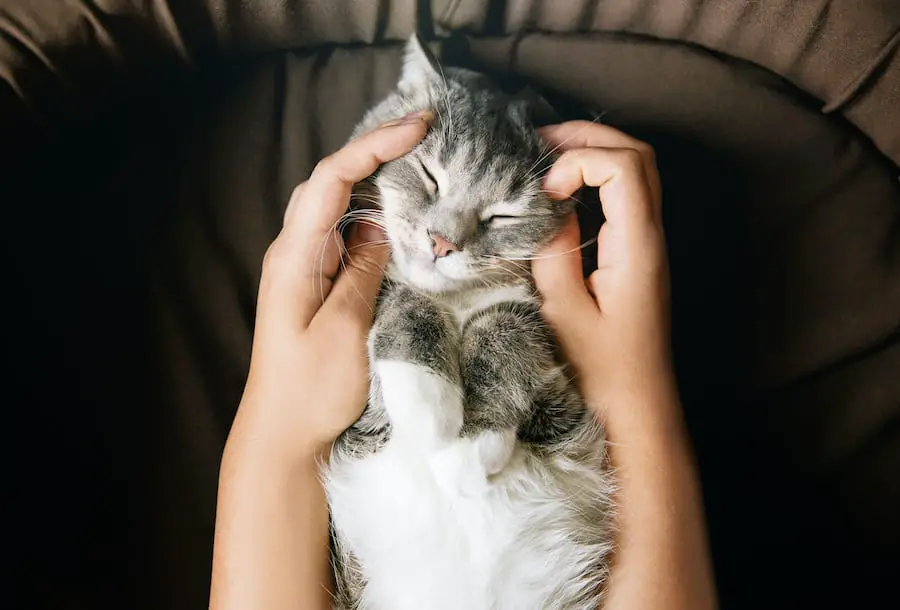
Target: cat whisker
<point x="537" y="257"/>
<point x="369" y="221"/>
<point x="572" y="197"/>
<point x="365" y="211"/>
<point x="447" y="102"/>
<point x="334" y="232"/>
<point x="375" y="220"/>
<point x="506" y="267"/>
<point x="377" y="242"/>
<point x="549" y="152"/>
<point x="339" y="243"/>
<point x="367" y="198"/>
<point x="519" y="266"/>
<point x="370" y="216"/>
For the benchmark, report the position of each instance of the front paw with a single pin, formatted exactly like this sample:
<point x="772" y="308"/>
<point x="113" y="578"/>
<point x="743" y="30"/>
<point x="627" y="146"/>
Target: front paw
<point x="425" y="409"/>
<point x="411" y="327"/>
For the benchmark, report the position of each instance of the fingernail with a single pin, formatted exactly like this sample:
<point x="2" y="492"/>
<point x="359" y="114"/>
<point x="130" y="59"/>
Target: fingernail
<point x="420" y="115"/>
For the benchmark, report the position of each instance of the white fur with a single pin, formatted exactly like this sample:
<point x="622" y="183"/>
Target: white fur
<point x="455" y="523"/>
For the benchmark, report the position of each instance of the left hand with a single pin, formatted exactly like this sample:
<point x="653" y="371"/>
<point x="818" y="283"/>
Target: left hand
<point x="308" y="377"/>
<point x="613" y="327"/>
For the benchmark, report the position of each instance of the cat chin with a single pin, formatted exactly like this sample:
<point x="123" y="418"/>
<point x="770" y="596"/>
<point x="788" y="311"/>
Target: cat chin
<point x="425" y="276"/>
<point x="429" y="280"/>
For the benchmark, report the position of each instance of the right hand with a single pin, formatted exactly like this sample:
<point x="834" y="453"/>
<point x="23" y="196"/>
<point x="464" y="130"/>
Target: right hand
<point x="614" y="326"/>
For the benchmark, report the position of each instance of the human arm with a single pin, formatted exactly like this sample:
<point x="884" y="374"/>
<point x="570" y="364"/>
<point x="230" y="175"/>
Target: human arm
<point x="614" y="328"/>
<point x="308" y="381"/>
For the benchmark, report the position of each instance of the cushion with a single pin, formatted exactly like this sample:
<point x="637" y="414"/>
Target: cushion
<point x="145" y="175"/>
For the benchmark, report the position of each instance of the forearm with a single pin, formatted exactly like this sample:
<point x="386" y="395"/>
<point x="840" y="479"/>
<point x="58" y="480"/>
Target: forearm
<point x="271" y="541"/>
<point x="663" y="558"/>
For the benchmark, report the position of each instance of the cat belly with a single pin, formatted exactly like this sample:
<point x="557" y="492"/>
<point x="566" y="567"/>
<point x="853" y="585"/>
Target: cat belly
<point x="434" y="531"/>
<point x="428" y="530"/>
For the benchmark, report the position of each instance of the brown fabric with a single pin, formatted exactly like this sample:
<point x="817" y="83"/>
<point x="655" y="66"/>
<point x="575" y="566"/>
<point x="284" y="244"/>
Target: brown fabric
<point x="149" y="149"/>
<point x="843" y="52"/>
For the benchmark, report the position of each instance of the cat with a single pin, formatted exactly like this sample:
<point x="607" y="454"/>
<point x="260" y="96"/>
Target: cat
<point x="476" y="478"/>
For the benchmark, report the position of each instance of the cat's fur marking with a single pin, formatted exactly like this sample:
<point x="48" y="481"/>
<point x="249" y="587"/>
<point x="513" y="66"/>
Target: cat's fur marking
<point x="476" y="478"/>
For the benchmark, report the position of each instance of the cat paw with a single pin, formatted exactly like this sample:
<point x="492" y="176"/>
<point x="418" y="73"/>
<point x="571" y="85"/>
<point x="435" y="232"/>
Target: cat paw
<point x="467" y="468"/>
<point x="413" y="328"/>
<point x="425" y="409"/>
<point x="494" y="449"/>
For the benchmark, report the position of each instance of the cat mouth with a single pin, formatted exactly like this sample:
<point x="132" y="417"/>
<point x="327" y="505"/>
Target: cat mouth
<point x="416" y="257"/>
<point x="426" y="264"/>
<point x="423" y="270"/>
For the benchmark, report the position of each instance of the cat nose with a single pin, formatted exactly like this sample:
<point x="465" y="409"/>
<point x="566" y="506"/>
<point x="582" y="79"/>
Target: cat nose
<point x="441" y="246"/>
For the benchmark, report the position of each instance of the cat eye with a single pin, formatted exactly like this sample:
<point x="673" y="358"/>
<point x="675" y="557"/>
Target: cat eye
<point x="499" y="220"/>
<point x="430" y="183"/>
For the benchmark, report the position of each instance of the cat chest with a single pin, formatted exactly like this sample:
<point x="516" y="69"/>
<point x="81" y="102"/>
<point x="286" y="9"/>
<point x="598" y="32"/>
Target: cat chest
<point x="465" y="307"/>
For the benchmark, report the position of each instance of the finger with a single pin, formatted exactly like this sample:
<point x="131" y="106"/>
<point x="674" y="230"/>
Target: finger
<point x="585" y="134"/>
<point x="290" y="292"/>
<point x="353" y="297"/>
<point x="618" y="174"/>
<point x="303" y="261"/>
<point x="327" y="192"/>
<point x="293" y="204"/>
<point x="326" y="195"/>
<point x="557" y="269"/>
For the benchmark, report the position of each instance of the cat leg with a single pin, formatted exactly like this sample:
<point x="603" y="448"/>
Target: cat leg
<point x="349" y="580"/>
<point x="413" y="350"/>
<point x="506" y="356"/>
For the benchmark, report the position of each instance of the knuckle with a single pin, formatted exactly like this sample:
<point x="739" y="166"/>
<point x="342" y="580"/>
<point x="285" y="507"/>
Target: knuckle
<point x="277" y="256"/>
<point x="298" y="191"/>
<point x="575" y="156"/>
<point x="646" y="150"/>
<point x="272" y="254"/>
<point x="629" y="159"/>
<point x="630" y="156"/>
<point x="325" y="166"/>
<point x="581" y="124"/>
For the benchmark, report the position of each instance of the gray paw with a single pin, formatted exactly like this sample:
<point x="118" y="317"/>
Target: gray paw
<point x="413" y="328"/>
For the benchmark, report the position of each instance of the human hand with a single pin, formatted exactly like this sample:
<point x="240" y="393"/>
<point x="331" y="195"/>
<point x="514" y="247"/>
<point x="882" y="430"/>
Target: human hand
<point x="614" y="326"/>
<point x="308" y="378"/>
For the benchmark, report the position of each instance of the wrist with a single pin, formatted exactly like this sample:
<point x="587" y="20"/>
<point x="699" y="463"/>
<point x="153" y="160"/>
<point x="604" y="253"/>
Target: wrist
<point x="260" y="444"/>
<point x="630" y="399"/>
<point x="255" y="453"/>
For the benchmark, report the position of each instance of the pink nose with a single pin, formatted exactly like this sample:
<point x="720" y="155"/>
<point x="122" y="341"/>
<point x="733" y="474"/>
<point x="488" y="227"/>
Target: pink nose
<point x="441" y="246"/>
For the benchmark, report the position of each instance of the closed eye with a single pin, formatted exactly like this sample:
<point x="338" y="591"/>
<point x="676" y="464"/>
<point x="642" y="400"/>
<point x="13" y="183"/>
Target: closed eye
<point x="499" y="220"/>
<point x="430" y="183"/>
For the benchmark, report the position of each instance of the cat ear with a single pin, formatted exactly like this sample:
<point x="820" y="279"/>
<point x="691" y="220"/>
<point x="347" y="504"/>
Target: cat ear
<point x="420" y="66"/>
<point x="534" y="108"/>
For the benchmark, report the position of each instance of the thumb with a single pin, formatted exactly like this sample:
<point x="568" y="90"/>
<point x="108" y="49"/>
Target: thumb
<point x="557" y="268"/>
<point x="559" y="278"/>
<point x="568" y="306"/>
<point x="357" y="285"/>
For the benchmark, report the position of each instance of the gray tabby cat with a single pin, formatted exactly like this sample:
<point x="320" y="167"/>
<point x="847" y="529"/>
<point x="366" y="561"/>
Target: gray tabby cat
<point x="476" y="478"/>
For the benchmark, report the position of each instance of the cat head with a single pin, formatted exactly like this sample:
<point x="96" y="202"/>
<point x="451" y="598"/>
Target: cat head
<point x="465" y="208"/>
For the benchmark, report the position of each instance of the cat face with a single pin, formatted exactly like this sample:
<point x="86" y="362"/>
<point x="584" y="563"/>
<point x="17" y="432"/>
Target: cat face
<point x="465" y="207"/>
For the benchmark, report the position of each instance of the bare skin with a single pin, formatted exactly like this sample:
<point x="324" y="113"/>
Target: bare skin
<point x="614" y="328"/>
<point x="271" y="545"/>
